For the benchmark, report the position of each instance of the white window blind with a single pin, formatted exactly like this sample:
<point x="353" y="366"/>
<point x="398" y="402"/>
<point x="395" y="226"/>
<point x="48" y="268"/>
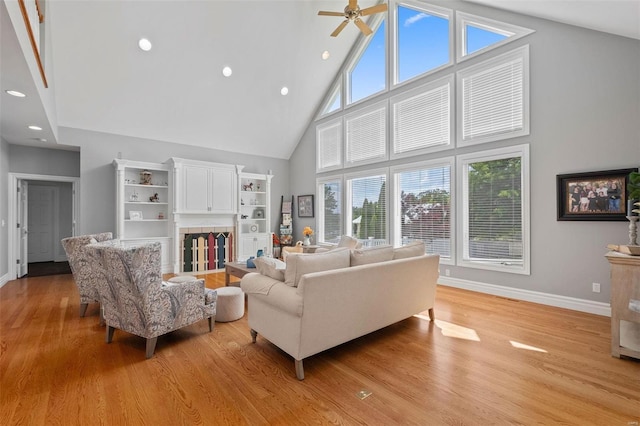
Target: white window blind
<point x="422" y="120"/>
<point x="368" y="203"/>
<point x="330" y="211"/>
<point x="329" y="145"/>
<point x="425" y="207"/>
<point x="366" y="135"/>
<point x="493" y="101"/>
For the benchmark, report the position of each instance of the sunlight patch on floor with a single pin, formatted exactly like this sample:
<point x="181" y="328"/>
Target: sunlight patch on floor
<point x="519" y="345"/>
<point x="459" y="332"/>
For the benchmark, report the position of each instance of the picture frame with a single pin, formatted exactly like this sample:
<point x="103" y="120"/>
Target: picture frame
<point x="593" y="196"/>
<point x="135" y="215"/>
<point x="305" y="206"/>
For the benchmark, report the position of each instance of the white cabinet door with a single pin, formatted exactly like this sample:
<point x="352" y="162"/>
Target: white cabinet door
<point x="195" y="189"/>
<point x="223" y="191"/>
<point x="250" y="244"/>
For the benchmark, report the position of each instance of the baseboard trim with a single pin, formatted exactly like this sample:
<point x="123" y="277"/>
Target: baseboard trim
<point x="582" y="305"/>
<point x="4" y="279"/>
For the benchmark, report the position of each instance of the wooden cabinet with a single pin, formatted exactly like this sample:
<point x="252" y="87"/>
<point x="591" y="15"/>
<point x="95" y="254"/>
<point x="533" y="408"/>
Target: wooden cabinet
<point x="143" y="205"/>
<point x="205" y="188"/>
<point x="254" y="214"/>
<point x="625" y="304"/>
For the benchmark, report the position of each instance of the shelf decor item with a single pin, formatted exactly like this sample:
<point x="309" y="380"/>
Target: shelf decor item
<point x="135" y="215"/>
<point x="145" y="177"/>
<point x="594" y="196"/>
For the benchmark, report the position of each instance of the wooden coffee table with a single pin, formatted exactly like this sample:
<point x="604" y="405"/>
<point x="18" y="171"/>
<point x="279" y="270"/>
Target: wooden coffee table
<point x="237" y="270"/>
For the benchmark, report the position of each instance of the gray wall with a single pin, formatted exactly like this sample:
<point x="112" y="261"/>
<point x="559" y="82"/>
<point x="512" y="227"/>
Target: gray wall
<point x="585" y="116"/>
<point x="43" y="161"/>
<point x="97" y="188"/>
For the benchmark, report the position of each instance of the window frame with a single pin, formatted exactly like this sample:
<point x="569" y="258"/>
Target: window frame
<point x="348" y="192"/>
<point x="462" y="162"/>
<point x="320" y="183"/>
<point x="393" y="38"/>
<point x="395" y="209"/>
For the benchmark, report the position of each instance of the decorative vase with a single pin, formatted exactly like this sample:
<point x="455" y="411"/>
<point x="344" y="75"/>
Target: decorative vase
<point x="306" y="241"/>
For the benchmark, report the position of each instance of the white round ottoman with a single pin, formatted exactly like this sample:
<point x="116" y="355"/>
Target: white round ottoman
<point x="230" y="304"/>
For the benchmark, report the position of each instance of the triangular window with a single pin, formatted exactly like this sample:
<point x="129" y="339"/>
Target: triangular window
<point x="477" y="34"/>
<point x="334" y="102"/>
<point x="367" y="74"/>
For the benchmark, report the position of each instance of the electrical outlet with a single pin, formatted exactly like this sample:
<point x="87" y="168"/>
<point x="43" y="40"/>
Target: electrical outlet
<point x="447" y="272"/>
<point x="596" y="287"/>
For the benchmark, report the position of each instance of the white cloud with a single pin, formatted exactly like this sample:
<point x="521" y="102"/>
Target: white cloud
<point x="415" y="18"/>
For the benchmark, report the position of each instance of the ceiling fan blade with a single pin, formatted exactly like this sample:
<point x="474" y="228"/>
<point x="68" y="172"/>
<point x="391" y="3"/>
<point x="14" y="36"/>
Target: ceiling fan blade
<point x="374" y="9"/>
<point x="325" y="13"/>
<point x="363" y="27"/>
<point x="353" y="4"/>
<point x="340" y="28"/>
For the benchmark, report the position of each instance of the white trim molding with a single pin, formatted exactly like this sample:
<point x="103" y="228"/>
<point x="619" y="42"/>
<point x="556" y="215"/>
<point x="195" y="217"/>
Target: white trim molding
<point x="573" y="303"/>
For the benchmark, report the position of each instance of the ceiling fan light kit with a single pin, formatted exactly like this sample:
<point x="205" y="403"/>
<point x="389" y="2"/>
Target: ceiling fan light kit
<point x="352" y="12"/>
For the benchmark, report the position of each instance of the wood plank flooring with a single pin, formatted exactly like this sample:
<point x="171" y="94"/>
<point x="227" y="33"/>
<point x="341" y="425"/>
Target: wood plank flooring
<point x="485" y="360"/>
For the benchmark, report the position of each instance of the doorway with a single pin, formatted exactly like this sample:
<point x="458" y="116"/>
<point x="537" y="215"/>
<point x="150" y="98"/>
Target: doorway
<point x="44" y="210"/>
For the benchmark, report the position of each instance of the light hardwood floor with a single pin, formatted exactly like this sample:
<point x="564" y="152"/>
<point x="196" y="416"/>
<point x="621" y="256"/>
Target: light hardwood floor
<point x="485" y="360"/>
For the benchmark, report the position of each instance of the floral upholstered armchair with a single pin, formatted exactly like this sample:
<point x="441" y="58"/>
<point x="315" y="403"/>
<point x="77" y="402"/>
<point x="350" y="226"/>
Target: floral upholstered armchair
<point x="82" y="266"/>
<point x="136" y="300"/>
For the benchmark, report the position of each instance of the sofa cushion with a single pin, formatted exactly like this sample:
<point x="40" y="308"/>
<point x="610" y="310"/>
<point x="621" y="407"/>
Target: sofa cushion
<point x="365" y="256"/>
<point x="299" y="264"/>
<point x="270" y="267"/>
<point x="414" y="248"/>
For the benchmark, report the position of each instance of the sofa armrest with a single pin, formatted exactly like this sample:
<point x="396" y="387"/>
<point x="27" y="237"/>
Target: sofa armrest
<point x="279" y="295"/>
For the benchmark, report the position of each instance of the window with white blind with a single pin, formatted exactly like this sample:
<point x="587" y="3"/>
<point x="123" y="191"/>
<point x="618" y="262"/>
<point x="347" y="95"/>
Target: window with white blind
<point x="422" y="120"/>
<point x="422" y="205"/>
<point x="330" y="212"/>
<point x="495" y="203"/>
<point x="493" y="99"/>
<point x="366" y="139"/>
<point x="367" y="207"/>
<point x="329" y="145"/>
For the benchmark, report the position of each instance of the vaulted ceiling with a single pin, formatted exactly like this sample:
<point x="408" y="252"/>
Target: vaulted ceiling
<point x="102" y="81"/>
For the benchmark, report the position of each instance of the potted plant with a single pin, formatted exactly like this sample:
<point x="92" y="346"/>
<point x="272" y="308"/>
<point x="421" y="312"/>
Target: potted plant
<point x="633" y="194"/>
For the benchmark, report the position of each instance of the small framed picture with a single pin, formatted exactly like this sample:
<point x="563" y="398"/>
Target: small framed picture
<point x="135" y="215"/>
<point x="305" y="205"/>
<point x="593" y="195"/>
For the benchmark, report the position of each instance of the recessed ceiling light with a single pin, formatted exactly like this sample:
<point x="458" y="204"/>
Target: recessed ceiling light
<point x="227" y="71"/>
<point x="284" y="91"/>
<point x="39" y="139"/>
<point x="35" y="128"/>
<point x="144" y="44"/>
<point x="325" y="55"/>
<point x="16" y="93"/>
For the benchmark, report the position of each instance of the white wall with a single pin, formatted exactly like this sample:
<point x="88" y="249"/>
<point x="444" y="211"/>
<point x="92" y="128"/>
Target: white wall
<point x="585" y="116"/>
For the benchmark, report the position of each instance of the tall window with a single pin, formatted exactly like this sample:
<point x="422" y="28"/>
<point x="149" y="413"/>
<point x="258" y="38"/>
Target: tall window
<point x="368" y="74"/>
<point x="367" y="204"/>
<point x="495" y="223"/>
<point x="422" y="41"/>
<point x="422" y="205"/>
<point x="330" y="214"/>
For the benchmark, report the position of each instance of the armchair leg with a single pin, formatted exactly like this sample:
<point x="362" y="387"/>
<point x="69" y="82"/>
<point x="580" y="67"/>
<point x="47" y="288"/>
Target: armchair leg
<point x="432" y="316"/>
<point x="299" y="369"/>
<point x="102" y="322"/>
<point x="151" y="346"/>
<point x="83" y="309"/>
<point x="109" y="334"/>
<point x="254" y="334"/>
<point x="211" y="323"/>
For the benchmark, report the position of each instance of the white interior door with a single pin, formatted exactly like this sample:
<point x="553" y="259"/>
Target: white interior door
<point x="41" y="223"/>
<point x="23" y="232"/>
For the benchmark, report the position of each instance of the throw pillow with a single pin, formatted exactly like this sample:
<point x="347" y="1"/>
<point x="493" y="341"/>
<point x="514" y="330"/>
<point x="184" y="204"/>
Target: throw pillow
<point x="369" y="255"/>
<point x="299" y="264"/>
<point x="270" y="267"/>
<point x="415" y="248"/>
<point x="348" y="242"/>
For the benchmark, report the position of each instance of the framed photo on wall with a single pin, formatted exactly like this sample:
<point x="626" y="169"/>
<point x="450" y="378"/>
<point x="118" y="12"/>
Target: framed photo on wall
<point x="593" y="195"/>
<point x="305" y="205"/>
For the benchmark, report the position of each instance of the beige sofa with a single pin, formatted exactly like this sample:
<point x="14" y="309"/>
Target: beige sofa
<point x="308" y="312"/>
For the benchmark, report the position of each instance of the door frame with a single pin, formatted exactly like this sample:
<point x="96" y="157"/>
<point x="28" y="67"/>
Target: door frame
<point x="14" y="232"/>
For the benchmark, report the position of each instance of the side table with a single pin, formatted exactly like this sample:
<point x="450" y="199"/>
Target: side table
<point x="236" y="269"/>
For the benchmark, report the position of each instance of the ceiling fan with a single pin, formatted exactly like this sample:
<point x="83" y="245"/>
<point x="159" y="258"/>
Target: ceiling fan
<point x="352" y="12"/>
